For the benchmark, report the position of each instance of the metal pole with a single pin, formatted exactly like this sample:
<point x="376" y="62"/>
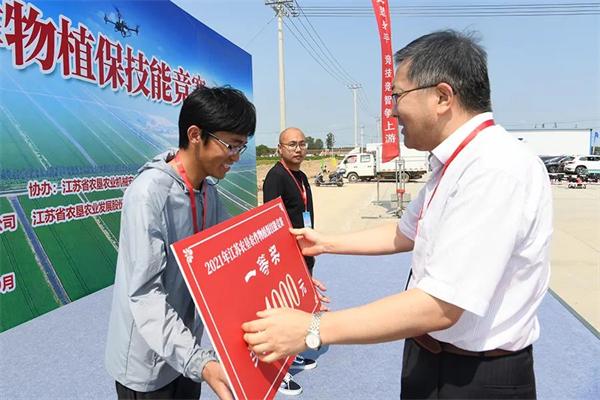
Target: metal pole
<point x="362" y="137"/>
<point x="282" y="8"/>
<point x="355" y="119"/>
<point x="282" y="124"/>
<point x="354" y="87"/>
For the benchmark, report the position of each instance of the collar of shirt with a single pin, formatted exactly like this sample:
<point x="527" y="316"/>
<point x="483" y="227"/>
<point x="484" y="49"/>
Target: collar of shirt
<point x="444" y="150"/>
<point x="435" y="165"/>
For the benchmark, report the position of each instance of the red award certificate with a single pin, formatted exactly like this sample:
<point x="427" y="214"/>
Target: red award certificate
<point x="246" y="264"/>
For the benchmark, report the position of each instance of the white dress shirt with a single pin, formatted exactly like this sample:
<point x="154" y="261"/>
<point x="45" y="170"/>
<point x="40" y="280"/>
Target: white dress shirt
<point x="483" y="243"/>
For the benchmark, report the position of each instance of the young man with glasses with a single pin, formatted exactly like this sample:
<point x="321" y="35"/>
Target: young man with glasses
<point x="153" y="348"/>
<point x="479" y="232"/>
<point x="286" y="179"/>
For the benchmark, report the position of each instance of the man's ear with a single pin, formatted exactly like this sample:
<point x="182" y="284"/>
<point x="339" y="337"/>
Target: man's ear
<point x="193" y="133"/>
<point x="446" y="96"/>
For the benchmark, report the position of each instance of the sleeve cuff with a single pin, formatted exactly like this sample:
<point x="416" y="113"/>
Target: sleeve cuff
<point x="198" y="362"/>
<point x="407" y="230"/>
<point x="449" y="294"/>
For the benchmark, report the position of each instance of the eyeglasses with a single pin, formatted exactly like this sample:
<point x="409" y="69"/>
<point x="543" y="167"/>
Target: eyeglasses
<point x="397" y="96"/>
<point x="232" y="150"/>
<point x="293" y="145"/>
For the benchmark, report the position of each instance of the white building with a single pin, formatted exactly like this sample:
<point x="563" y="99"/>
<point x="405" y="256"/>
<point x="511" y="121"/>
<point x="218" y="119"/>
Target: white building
<point x="555" y="142"/>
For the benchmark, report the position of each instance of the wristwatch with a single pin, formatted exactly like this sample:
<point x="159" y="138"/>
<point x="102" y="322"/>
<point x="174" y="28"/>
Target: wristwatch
<point x="313" y="337"/>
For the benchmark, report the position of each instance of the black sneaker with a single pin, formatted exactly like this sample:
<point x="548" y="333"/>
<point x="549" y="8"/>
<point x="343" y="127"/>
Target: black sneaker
<point x="303" y="363"/>
<point x="289" y="386"/>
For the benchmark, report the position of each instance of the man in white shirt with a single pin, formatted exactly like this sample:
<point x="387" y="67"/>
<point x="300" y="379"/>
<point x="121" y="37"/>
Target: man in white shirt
<point x="480" y="235"/>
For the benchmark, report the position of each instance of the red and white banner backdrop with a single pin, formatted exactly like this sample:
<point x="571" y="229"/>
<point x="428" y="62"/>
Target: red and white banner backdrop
<point x="389" y="124"/>
<point x="246" y="264"/>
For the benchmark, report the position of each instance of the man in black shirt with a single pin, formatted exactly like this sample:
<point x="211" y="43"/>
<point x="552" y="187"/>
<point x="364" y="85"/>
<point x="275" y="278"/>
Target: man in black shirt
<point x="286" y="179"/>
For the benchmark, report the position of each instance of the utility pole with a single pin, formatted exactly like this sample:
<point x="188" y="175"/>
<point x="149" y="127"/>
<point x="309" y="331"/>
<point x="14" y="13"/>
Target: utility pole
<point x="362" y="137"/>
<point x="354" y="87"/>
<point x="282" y="8"/>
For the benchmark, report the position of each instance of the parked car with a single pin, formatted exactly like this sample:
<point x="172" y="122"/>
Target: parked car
<point x="554" y="164"/>
<point x="561" y="167"/>
<point x="546" y="158"/>
<point x="583" y="165"/>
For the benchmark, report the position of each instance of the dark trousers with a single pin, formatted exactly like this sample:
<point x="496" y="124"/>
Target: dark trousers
<point x="180" y="388"/>
<point x="449" y="376"/>
<point x="310" y="263"/>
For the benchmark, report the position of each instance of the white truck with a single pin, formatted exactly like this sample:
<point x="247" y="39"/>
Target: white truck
<point x="367" y="165"/>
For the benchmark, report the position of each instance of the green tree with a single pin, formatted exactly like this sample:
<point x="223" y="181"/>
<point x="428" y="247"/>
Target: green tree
<point x="318" y="144"/>
<point x="310" y="142"/>
<point x="330" y="140"/>
<point x="263" y="150"/>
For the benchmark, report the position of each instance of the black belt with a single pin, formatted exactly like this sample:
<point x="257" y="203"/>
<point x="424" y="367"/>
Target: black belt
<point x="435" y="346"/>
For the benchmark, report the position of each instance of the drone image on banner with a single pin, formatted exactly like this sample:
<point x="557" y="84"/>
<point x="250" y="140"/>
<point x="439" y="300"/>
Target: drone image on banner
<point x="120" y="25"/>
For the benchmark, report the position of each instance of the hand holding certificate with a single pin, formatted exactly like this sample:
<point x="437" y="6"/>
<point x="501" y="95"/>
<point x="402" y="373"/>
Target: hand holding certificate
<point x="236" y="269"/>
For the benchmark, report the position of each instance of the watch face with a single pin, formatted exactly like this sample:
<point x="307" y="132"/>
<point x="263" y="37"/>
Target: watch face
<point x="313" y="341"/>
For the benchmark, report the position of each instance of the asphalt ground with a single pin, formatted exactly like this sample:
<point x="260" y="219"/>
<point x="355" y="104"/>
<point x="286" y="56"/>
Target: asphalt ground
<point x="60" y="355"/>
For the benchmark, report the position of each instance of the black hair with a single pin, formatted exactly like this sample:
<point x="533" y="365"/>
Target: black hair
<point x="454" y="58"/>
<point x="216" y="109"/>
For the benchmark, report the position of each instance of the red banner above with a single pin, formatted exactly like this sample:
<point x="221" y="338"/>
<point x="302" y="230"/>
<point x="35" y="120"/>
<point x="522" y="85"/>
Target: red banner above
<point x="246" y="264"/>
<point x="389" y="124"/>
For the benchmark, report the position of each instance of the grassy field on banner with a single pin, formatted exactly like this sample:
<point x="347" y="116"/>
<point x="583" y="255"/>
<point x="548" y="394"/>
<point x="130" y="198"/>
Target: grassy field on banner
<point x="113" y="220"/>
<point x="55" y="147"/>
<point x="238" y="191"/>
<point x="90" y="139"/>
<point x="32" y="295"/>
<point x="80" y="252"/>
<point x="14" y="144"/>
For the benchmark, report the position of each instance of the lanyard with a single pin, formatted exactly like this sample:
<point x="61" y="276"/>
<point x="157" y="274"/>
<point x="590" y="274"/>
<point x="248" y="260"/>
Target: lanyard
<point x="190" y="189"/>
<point x="301" y="188"/>
<point x="464" y="143"/>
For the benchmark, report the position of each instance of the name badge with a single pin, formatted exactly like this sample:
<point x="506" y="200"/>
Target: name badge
<point x="307" y="221"/>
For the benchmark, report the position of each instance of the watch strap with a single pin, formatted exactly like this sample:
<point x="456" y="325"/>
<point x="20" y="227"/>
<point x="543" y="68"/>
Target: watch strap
<point x="315" y="324"/>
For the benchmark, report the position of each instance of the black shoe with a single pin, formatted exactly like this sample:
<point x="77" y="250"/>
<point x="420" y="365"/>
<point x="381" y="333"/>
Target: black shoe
<point x="303" y="363"/>
<point x="289" y="386"/>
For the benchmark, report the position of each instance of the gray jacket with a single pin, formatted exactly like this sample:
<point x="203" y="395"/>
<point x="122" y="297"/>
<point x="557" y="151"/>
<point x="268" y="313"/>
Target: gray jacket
<point x="154" y="332"/>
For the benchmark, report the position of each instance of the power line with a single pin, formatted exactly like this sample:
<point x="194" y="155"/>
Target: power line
<point x="309" y="38"/>
<point x="456" y="15"/>
<point x="311" y="53"/>
<point x="327" y="61"/>
<point x="461" y="6"/>
<point x="457" y="10"/>
<point x="332" y="57"/>
<point x="365" y="103"/>
<point x="311" y="41"/>
<point x="261" y="30"/>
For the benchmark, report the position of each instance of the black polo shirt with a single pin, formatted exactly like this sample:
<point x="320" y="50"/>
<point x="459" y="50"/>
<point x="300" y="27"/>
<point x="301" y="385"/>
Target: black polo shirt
<point x="278" y="182"/>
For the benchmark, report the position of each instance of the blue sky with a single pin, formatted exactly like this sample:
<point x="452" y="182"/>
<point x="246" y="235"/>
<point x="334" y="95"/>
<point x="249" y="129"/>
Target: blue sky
<point x="543" y="69"/>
